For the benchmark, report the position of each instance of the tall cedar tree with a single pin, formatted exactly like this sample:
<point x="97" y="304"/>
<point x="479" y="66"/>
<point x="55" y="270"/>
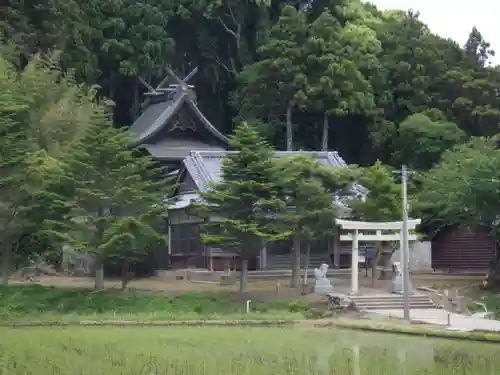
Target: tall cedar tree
<point x="113" y="187"/>
<point x="277" y="84"/>
<point x="245" y="203"/>
<point x="339" y="62"/>
<point x="418" y="69"/>
<point x="309" y="189"/>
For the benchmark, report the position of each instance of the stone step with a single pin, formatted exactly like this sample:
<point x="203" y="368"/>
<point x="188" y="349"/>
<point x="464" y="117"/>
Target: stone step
<point x="289" y="259"/>
<point x="277" y="264"/>
<point x="289" y="266"/>
<point x="376" y="302"/>
<point x="273" y="274"/>
<point x="394" y="306"/>
<point x="389" y="298"/>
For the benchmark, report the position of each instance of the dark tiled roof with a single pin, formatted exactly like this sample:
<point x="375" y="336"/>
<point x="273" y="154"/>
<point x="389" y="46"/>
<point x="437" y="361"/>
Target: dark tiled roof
<point x="153" y="120"/>
<point x="177" y="149"/>
<point x="157" y="116"/>
<point x="205" y="166"/>
<point x="148" y="117"/>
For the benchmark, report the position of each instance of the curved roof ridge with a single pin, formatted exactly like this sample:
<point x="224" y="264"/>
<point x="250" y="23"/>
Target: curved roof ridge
<point x="207" y="123"/>
<point x="161" y="121"/>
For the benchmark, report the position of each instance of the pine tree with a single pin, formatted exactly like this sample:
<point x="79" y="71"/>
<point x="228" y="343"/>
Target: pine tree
<point x="245" y="203"/>
<point x="114" y="187"/>
<point x="127" y="241"/>
<point x="309" y="190"/>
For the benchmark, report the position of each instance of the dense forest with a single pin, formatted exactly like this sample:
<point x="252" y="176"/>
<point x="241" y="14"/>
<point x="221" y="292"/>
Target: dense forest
<point x="336" y="74"/>
<point x="377" y="86"/>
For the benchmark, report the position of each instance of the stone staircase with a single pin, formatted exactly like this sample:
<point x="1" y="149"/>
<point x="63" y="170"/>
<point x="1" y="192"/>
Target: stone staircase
<point x="284" y="261"/>
<point x="391" y="302"/>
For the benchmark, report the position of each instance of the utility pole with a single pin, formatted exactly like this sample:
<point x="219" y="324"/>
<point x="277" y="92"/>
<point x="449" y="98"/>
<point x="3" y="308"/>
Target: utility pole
<point x="405" y="246"/>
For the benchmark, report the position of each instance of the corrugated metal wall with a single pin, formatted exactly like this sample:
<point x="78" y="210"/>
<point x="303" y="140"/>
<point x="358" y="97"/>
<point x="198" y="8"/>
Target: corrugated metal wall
<point x="462" y="249"/>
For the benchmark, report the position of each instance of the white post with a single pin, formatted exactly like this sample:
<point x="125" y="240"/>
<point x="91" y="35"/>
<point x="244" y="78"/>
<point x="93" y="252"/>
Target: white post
<point x="401" y="254"/>
<point x="210" y="259"/>
<point x="169" y="233"/>
<point x="354" y="263"/>
<point x="404" y="249"/>
<point x="263" y="256"/>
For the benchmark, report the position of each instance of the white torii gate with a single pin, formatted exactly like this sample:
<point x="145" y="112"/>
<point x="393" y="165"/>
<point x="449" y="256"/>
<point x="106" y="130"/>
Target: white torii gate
<point x="355" y="226"/>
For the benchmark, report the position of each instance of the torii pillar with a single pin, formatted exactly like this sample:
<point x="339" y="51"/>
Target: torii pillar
<point x="355" y="237"/>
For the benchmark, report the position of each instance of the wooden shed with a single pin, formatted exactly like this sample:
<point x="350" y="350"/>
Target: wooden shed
<point x="462" y="249"/>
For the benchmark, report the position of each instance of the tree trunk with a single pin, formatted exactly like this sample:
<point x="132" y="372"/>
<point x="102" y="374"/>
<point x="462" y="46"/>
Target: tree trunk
<point x="374" y="262"/>
<point x="244" y="274"/>
<point x="289" y="129"/>
<point x="125" y="274"/>
<point x="296" y="262"/>
<point x="306" y="265"/>
<point x="99" y="274"/>
<point x="324" y="134"/>
<point x="99" y="271"/>
<point x="6" y="255"/>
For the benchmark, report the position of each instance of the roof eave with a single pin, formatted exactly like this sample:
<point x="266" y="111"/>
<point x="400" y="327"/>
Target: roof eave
<point x="164" y="120"/>
<point x="212" y="129"/>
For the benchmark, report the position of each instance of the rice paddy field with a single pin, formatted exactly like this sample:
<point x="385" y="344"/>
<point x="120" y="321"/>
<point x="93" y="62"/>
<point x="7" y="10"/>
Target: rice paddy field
<point x="235" y="351"/>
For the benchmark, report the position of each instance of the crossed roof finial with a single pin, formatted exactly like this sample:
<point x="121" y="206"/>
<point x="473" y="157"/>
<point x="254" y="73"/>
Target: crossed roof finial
<point x="178" y="83"/>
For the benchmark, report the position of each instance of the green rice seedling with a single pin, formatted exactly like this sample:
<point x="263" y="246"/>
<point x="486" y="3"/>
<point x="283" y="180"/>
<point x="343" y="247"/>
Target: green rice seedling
<point x="235" y="351"/>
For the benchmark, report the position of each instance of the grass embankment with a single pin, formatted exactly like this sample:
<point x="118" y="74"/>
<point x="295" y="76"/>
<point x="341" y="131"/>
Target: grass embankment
<point x="222" y="351"/>
<point x="21" y="303"/>
<point x="415" y="330"/>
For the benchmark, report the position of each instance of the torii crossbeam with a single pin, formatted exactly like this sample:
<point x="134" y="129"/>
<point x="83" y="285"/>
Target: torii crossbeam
<point x="355" y="226"/>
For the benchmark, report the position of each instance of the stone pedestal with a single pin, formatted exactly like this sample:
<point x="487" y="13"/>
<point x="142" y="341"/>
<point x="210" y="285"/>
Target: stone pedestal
<point x="228" y="278"/>
<point x="322" y="286"/>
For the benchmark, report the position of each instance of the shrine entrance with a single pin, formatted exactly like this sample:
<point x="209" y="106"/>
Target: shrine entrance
<point x="379" y="232"/>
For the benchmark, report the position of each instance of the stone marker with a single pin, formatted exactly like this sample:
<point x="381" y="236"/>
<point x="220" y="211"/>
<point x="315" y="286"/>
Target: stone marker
<point x="322" y="285"/>
<point x="228" y="278"/>
<point x="397" y="279"/>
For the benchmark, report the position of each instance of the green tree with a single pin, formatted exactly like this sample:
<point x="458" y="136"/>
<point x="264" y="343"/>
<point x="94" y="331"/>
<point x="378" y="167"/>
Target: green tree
<point x="382" y="203"/>
<point x="42" y="112"/>
<point x="128" y="240"/>
<point x="477" y="49"/>
<point x="113" y="184"/>
<point x="421" y="141"/>
<point x="245" y="204"/>
<point x="463" y="189"/>
<point x="474" y="103"/>
<point x="38" y="26"/>
<point x="339" y="60"/>
<point x="276" y="85"/>
<point x="308" y="189"/>
<point x="414" y="75"/>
